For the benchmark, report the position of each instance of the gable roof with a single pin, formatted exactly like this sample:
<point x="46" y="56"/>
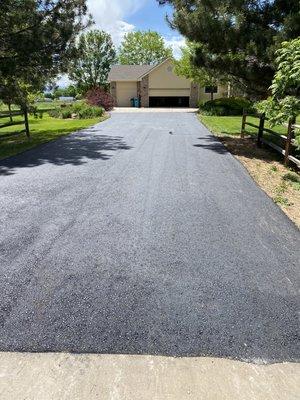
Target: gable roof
<point x="128" y="72"/>
<point x="153" y="67"/>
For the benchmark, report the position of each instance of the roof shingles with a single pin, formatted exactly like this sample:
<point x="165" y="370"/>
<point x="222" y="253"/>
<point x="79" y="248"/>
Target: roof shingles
<point x="128" y="72"/>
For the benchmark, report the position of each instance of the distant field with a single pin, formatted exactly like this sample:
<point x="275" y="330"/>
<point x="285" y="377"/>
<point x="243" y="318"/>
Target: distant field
<point x="43" y="105"/>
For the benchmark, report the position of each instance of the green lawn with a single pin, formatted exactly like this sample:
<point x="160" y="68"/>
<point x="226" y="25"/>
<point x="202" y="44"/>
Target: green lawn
<point x="42" y="131"/>
<point x="231" y="126"/>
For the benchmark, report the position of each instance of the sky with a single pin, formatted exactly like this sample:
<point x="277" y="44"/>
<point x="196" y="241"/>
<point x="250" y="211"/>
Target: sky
<point x="119" y="17"/>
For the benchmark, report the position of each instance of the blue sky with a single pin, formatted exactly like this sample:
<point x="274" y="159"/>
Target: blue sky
<point x="121" y="16"/>
<point x="152" y="16"/>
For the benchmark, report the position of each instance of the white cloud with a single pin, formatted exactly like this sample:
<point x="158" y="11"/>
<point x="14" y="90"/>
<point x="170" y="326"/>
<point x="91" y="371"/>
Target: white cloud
<point x="109" y="15"/>
<point x="119" y="30"/>
<point x="175" y="42"/>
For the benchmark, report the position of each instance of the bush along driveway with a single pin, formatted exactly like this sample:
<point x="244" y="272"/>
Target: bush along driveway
<point x="281" y="183"/>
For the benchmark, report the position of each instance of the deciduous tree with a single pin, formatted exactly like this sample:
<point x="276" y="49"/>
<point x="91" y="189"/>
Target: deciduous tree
<point x="140" y="48"/>
<point x="69" y="91"/>
<point x="284" y="104"/>
<point x="96" y="54"/>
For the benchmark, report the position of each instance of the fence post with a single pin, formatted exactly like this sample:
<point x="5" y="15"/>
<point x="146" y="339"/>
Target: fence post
<point x="290" y="135"/>
<point x="243" y="123"/>
<point x="261" y="129"/>
<point x="9" y="110"/>
<point x="25" y="111"/>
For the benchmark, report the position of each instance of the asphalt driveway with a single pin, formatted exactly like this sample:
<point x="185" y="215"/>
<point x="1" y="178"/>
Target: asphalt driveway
<point x="143" y="235"/>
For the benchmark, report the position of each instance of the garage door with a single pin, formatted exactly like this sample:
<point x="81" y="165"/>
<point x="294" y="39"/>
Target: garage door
<point x="125" y="91"/>
<point x="175" y="92"/>
<point x="169" y="101"/>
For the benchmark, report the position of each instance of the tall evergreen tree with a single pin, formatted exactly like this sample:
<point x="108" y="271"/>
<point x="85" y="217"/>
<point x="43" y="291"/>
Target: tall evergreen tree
<point x="238" y="37"/>
<point x="202" y="76"/>
<point x="37" y="40"/>
<point x="37" y="37"/>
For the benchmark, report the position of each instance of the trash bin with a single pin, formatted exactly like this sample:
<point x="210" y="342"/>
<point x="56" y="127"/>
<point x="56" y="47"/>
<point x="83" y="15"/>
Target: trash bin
<point x="132" y="103"/>
<point x="136" y="102"/>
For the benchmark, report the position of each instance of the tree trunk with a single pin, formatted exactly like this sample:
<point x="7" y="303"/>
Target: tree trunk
<point x="229" y="89"/>
<point x="9" y="109"/>
<point x="25" y="111"/>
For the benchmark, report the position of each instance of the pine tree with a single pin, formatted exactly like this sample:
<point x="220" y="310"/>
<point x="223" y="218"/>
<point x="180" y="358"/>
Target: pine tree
<point x="238" y="37"/>
<point x="37" y="41"/>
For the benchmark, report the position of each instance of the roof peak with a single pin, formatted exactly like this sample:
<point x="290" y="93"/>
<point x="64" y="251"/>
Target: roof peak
<point x="134" y="65"/>
<point x="131" y="72"/>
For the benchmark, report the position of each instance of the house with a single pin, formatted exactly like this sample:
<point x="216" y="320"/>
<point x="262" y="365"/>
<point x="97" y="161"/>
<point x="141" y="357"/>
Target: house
<point x="157" y="86"/>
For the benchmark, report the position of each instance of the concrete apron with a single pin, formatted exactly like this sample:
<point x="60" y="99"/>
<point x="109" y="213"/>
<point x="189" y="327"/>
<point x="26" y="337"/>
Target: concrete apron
<point x="153" y="110"/>
<point x="58" y="376"/>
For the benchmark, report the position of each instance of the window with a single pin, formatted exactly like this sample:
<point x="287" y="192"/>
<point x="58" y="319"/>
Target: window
<point x="211" y="89"/>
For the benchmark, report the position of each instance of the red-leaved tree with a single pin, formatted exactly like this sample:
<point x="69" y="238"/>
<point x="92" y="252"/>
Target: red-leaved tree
<point x="99" y="97"/>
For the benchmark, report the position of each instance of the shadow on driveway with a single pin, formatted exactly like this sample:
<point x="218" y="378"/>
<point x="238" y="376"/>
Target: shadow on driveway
<point x="75" y="149"/>
<point x="211" y="143"/>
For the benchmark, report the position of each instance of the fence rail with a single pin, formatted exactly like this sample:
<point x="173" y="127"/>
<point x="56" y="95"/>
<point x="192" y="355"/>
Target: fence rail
<point x="288" y="139"/>
<point x="11" y="122"/>
<point x="9" y="114"/>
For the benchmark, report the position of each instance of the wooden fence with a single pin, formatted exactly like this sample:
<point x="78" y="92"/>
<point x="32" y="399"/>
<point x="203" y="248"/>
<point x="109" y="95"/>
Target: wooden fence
<point x="288" y="140"/>
<point x="11" y="122"/>
<point x="9" y="115"/>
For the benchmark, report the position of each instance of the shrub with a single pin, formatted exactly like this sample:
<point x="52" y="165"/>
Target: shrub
<point x="55" y="113"/>
<point x="85" y="111"/>
<point x="80" y="110"/>
<point x="226" y="106"/>
<point x="66" y="112"/>
<point x="99" y="97"/>
<point x="61" y="112"/>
